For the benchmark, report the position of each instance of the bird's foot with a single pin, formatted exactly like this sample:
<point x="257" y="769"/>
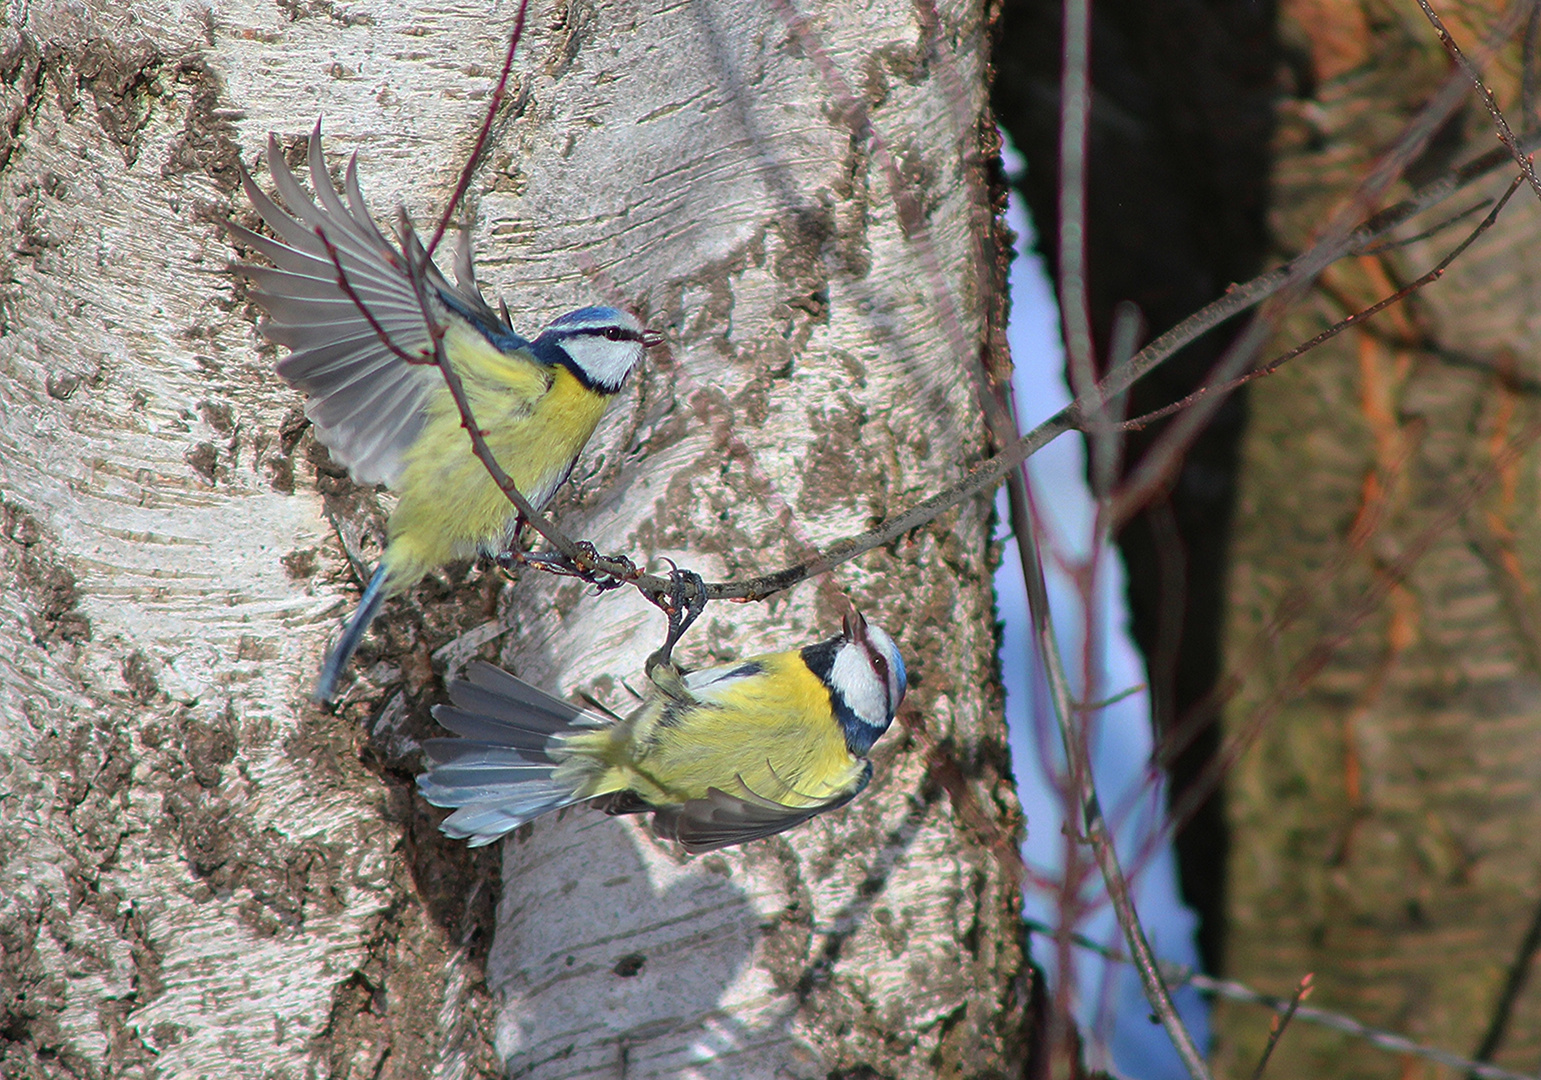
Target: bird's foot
<point x="513" y="555"/>
<point x="682" y="605"/>
<point x="586" y="567"/>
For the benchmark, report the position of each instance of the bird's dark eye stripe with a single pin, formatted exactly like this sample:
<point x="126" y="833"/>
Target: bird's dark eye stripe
<point x="614" y="333"/>
<point x="879" y="661"/>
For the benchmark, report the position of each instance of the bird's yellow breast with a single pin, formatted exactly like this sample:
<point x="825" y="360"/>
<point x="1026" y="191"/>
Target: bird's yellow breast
<point x="536" y="419"/>
<point x="775" y="731"/>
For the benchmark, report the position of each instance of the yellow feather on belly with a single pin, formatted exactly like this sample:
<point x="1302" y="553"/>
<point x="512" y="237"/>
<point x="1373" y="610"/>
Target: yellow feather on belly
<point x="536" y="421"/>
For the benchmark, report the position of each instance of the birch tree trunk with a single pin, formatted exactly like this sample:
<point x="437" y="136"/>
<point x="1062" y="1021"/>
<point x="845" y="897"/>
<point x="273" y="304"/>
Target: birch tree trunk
<point x="1383" y="610"/>
<point x="203" y="874"/>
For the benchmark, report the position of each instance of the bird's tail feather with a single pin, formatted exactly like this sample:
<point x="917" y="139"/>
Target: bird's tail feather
<point x="482" y="823"/>
<point x="492" y="706"/>
<point x="500" y="774"/>
<point x="337" y="660"/>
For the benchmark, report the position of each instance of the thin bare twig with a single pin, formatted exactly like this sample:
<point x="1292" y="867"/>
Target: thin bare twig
<point x="363" y="309"/>
<point x="1432" y="231"/>
<point x="1514" y="987"/>
<point x="1231" y="990"/>
<point x="1095" y="825"/>
<point x="1027" y="527"/>
<point x="1075" y="111"/>
<point x="1114" y="699"/>
<point x="1357" y="318"/>
<point x="1155" y="470"/>
<point x="417" y="264"/>
<point x="493" y="105"/>
<point x="1105" y="432"/>
<point x="1241" y="298"/>
<point x="1279" y="1023"/>
<point x="1473" y="72"/>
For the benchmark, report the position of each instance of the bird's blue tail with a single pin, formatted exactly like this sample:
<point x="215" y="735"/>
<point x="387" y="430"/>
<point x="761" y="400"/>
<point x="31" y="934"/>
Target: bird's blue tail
<point x="500" y="773"/>
<point x="368" y="608"/>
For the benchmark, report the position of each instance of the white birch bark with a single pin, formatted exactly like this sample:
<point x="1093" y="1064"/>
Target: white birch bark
<point x="201" y="873"/>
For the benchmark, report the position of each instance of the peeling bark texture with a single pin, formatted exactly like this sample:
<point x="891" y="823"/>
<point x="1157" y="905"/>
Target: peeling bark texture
<point x="201" y="874"/>
<point x="1384" y="822"/>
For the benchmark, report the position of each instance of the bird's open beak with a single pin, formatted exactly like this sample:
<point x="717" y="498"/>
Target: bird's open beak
<point x="651" y="338"/>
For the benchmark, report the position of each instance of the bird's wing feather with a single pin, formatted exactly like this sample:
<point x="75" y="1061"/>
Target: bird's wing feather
<point x="492" y="786"/>
<point x="713" y="684"/>
<point x="367" y="404"/>
<point x="722" y="820"/>
<point x="474" y="778"/>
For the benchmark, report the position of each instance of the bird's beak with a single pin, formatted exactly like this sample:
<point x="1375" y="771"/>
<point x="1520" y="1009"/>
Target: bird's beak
<point x="855" y="626"/>
<point x="651" y="338"/>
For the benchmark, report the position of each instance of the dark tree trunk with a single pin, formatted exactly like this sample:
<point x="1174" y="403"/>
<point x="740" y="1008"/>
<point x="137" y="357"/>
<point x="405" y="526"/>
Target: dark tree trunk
<point x="1177" y="188"/>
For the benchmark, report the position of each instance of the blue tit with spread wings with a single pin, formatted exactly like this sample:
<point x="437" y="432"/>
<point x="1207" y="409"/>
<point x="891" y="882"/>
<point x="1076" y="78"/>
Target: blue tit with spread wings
<point x="719" y="756"/>
<point x="393" y="422"/>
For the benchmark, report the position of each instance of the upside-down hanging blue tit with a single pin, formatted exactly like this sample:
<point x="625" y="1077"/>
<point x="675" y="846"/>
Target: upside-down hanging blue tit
<point x="393" y="422"/>
<point x="720" y="756"/>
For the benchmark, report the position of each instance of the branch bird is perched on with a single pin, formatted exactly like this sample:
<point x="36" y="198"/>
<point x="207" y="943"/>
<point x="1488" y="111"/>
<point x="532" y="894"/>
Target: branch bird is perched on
<point x="394" y="422"/>
<point x="720" y="756"/>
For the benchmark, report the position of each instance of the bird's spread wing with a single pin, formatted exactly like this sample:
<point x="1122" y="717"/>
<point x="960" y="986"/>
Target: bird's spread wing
<point x="367" y="404"/>
<point x="721" y="819"/>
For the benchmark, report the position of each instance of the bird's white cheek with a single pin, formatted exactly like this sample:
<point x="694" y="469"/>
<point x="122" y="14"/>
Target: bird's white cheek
<point x="864" y="693"/>
<point x="871" y="704"/>
<point x="606" y="362"/>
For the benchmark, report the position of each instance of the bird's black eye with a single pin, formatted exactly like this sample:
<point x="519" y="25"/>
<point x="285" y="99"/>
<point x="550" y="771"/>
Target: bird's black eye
<point x="613" y="333"/>
<point x="879" y="664"/>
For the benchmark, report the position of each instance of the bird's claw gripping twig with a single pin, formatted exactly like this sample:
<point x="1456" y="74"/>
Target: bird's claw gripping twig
<point x="584" y="567"/>
<point x="683" y="604"/>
